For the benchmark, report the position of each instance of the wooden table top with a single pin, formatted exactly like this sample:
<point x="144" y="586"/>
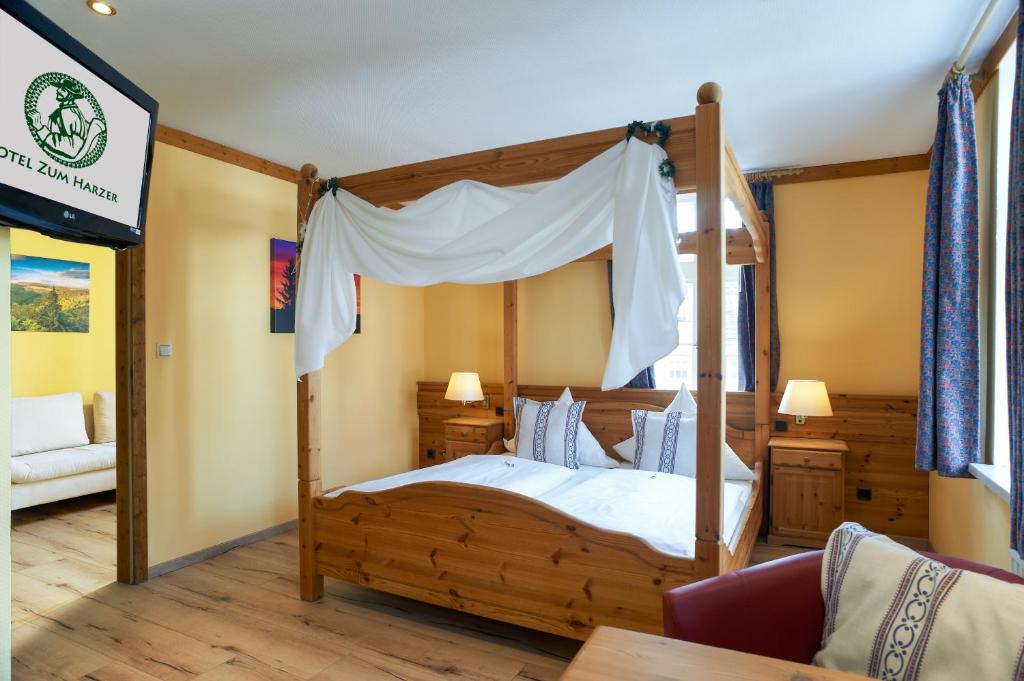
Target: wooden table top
<point x="619" y="654"/>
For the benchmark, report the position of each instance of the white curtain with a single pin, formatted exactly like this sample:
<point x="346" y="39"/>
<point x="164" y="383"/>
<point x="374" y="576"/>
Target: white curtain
<point x="473" y="233"/>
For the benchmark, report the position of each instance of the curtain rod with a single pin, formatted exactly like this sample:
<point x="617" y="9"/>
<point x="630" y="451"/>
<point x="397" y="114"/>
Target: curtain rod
<point x="965" y="54"/>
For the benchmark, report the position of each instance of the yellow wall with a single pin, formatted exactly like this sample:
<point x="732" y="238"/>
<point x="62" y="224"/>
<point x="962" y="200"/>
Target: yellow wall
<point x="564" y="328"/>
<point x="47" y="363"/>
<point x="849" y="282"/>
<point x="969" y="521"/>
<point x="221" y="410"/>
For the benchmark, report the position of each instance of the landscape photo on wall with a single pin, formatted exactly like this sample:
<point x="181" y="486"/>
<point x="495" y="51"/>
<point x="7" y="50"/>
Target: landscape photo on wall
<point x="49" y="294"/>
<point x="284" y="284"/>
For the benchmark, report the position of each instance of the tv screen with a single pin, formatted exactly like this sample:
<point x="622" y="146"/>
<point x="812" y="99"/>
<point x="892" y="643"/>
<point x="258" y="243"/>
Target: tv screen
<point x="76" y="137"/>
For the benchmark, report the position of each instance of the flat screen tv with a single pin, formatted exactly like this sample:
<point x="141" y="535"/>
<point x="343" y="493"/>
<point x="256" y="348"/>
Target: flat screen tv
<point x="76" y="137"/>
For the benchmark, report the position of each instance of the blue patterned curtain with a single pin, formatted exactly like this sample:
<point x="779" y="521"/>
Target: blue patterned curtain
<point x="948" y="417"/>
<point x="764" y="196"/>
<point x="645" y="379"/>
<point x="1015" y="303"/>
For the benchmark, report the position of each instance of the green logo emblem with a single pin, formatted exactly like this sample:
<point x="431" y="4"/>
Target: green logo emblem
<point x="65" y="119"/>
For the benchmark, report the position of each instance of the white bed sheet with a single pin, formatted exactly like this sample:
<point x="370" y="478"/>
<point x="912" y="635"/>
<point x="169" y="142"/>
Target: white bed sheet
<point x="522" y="476"/>
<point x="659" y="508"/>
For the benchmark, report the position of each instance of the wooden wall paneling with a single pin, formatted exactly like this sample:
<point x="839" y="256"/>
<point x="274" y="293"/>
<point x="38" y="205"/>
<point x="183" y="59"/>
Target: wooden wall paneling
<point x="210" y="149"/>
<point x="433" y="410"/>
<point x="130" y="321"/>
<point x="881" y="433"/>
<point x="515" y="165"/>
<point x="511" y="354"/>
<point x="308" y="415"/>
<point x="710" y="151"/>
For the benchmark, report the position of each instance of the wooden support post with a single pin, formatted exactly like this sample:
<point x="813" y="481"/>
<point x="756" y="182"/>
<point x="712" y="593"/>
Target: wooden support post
<point x="511" y="361"/>
<point x="311" y="583"/>
<point x="710" y="385"/>
<point x="762" y="364"/>
<point x="132" y="536"/>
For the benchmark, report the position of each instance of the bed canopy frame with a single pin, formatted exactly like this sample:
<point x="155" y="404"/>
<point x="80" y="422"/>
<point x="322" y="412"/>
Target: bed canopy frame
<point x="705" y="164"/>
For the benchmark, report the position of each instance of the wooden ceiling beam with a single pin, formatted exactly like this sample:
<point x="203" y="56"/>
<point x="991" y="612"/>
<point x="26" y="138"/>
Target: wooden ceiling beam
<point x="219" y="152"/>
<point x="516" y="165"/>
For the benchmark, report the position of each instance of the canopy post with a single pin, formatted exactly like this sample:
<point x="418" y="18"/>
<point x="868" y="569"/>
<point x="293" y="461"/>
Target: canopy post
<point x="307" y="403"/>
<point x="511" y="360"/>
<point x="710" y="176"/>
<point x="762" y="356"/>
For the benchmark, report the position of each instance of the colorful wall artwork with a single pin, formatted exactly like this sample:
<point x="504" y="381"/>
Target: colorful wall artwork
<point x="49" y="294"/>
<point x="284" y="284"/>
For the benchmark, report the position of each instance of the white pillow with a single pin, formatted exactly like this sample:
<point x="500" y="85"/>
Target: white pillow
<point x="591" y="453"/>
<point x="667" y="442"/>
<point x="104" y="417"/>
<point x="41" y="424"/>
<point x="682" y="402"/>
<point x="548" y="431"/>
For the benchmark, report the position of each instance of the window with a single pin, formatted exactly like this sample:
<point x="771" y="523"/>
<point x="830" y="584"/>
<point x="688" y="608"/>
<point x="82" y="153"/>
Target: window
<point x="681" y="365"/>
<point x="998" y="437"/>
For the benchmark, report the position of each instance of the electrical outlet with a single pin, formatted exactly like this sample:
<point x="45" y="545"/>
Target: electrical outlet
<point x="863" y="494"/>
<point x="781" y="426"/>
<point x="431" y="454"/>
<point x="499" y="411"/>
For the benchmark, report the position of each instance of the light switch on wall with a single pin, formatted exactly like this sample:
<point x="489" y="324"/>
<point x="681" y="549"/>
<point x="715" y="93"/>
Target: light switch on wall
<point x="164" y="349"/>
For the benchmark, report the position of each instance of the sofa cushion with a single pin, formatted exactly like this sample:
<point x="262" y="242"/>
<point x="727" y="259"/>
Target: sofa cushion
<point x="60" y="463"/>
<point x="891" y="613"/>
<point x="104" y="420"/>
<point x="40" y="424"/>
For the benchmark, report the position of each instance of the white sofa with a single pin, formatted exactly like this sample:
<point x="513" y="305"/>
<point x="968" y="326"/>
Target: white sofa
<point x="51" y="455"/>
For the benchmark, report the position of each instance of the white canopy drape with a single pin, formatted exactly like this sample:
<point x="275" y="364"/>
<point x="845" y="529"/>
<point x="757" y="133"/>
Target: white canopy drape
<point x="473" y="233"/>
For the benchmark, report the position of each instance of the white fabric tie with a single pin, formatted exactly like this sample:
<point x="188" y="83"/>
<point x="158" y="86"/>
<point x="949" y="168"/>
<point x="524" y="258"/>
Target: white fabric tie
<point x="473" y="233"/>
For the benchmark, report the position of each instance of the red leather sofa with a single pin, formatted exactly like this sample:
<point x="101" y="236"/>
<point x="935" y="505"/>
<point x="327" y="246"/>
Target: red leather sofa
<point x="773" y="609"/>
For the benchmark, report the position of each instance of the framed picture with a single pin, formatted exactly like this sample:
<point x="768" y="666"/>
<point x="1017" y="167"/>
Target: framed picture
<point x="284" y="283"/>
<point x="49" y="294"/>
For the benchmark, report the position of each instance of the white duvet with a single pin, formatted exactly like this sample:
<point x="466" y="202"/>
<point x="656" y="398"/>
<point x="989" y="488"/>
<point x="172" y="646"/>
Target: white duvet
<point x="522" y="476"/>
<point x="659" y="508"/>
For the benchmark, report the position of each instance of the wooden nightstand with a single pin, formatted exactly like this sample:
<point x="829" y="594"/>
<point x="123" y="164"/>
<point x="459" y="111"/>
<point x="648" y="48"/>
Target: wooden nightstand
<point x="807" y="490"/>
<point x="469" y="435"/>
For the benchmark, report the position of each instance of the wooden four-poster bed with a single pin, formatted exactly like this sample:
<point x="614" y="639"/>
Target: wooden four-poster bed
<point x="510" y="557"/>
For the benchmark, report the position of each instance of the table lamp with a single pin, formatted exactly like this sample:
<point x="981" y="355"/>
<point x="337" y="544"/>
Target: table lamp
<point x="805" y="398"/>
<point x="464" y="386"/>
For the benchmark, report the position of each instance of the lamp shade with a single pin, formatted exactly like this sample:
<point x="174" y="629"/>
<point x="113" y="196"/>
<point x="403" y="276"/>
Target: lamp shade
<point x="805" y="398"/>
<point x="464" y="386"/>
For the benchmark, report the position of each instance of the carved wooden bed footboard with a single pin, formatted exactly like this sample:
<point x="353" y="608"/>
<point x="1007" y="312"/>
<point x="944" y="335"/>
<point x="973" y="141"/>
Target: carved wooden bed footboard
<point x="496" y="554"/>
<point x="499" y="555"/>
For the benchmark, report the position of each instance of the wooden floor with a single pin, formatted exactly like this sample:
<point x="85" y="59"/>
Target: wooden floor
<point x="237" y="617"/>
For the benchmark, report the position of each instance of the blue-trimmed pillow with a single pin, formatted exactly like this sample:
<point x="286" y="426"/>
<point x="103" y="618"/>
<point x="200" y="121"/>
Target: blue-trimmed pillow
<point x="667" y="442"/>
<point x="548" y="431"/>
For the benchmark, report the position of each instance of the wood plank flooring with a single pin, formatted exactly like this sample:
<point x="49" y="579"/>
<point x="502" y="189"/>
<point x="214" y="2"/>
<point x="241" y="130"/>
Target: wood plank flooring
<point x="237" y="617"/>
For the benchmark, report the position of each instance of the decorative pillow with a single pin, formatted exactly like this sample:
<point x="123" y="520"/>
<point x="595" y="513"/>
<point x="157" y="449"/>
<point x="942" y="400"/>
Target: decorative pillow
<point x="893" y="614"/>
<point x="682" y="402"/>
<point x="104" y="419"/>
<point x="667" y="443"/>
<point x="591" y="453"/>
<point x="41" y="424"/>
<point x="548" y="431"/>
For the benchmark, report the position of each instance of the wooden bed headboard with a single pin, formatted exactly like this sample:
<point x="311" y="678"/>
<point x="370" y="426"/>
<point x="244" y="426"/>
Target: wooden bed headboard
<point x="608" y="414"/>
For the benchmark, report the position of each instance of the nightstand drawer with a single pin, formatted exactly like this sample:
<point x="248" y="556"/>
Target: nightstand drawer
<point x="455" y="449"/>
<point x="806" y="458"/>
<point x="467" y="434"/>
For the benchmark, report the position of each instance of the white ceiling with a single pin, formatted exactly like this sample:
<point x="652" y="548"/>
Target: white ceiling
<point x="355" y="85"/>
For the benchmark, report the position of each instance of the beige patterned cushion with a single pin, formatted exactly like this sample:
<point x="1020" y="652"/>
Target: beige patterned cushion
<point x="104" y="420"/>
<point x="893" y="614"/>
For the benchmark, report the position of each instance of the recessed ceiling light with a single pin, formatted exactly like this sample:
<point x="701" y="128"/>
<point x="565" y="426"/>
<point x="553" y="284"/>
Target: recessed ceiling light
<point x="101" y="7"/>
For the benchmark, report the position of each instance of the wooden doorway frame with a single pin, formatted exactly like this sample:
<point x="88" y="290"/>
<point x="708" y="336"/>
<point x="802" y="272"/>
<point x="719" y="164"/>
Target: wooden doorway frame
<point x="130" y="314"/>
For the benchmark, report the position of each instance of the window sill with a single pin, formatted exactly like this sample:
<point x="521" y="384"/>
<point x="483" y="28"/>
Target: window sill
<point x="996" y="479"/>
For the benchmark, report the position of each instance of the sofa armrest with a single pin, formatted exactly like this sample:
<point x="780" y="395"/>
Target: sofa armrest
<point x="774" y="609"/>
